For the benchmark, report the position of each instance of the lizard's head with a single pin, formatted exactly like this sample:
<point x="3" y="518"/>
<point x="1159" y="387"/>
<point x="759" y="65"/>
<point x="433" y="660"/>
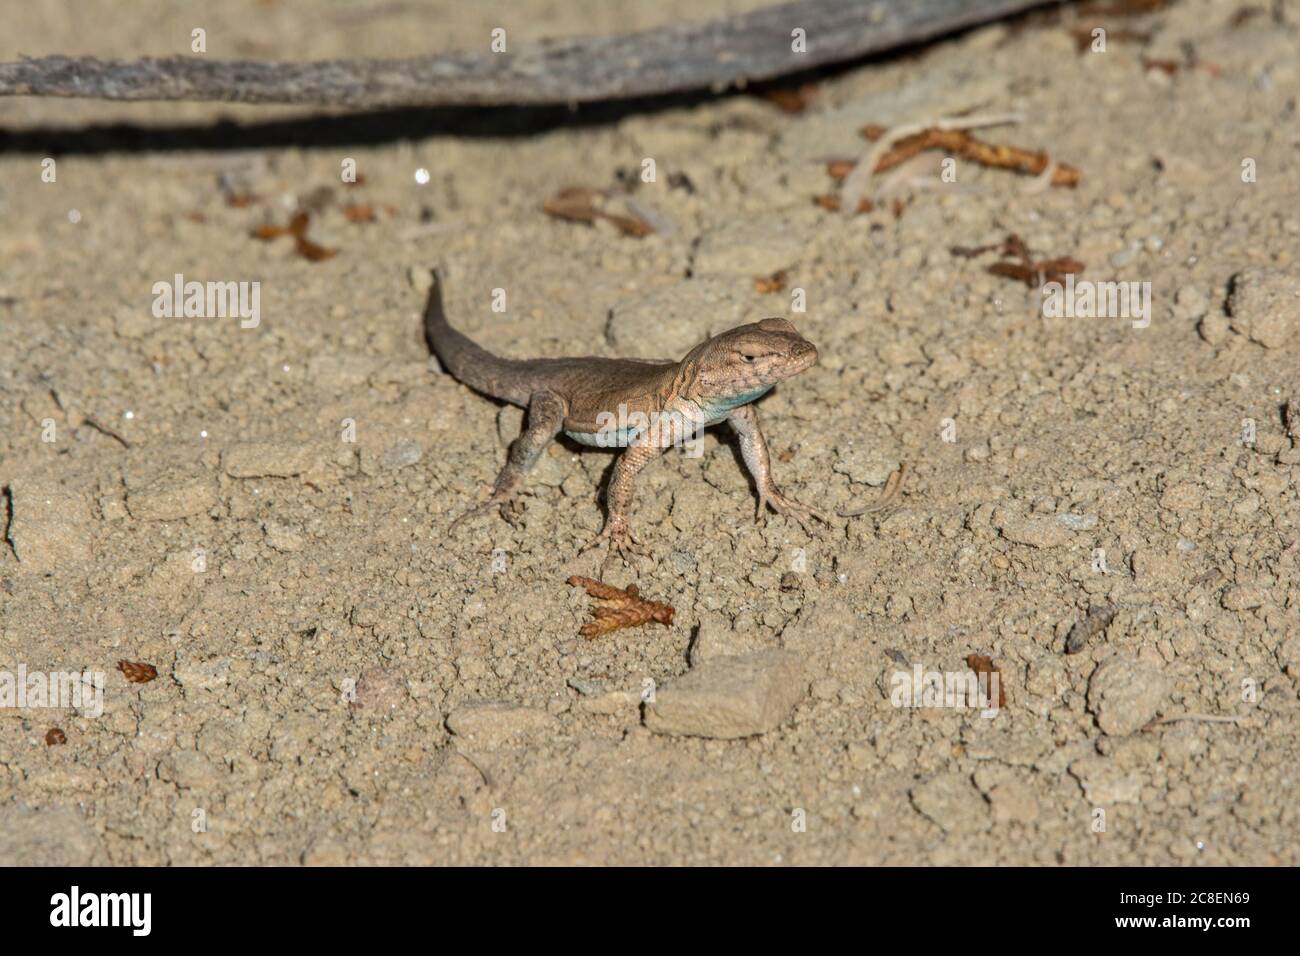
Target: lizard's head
<point x="750" y="357"/>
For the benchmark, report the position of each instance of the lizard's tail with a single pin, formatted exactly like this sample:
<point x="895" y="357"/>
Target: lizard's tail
<point x="471" y="364"/>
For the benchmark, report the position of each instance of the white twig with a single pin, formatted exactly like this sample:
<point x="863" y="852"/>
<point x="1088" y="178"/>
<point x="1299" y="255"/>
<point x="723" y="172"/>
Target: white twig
<point x="856" y="183"/>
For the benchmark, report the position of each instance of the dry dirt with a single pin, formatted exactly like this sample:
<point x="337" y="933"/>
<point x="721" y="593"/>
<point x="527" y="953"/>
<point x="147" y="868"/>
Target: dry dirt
<point x="340" y="682"/>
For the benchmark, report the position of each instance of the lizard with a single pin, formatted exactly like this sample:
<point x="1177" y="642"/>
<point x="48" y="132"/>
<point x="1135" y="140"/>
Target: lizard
<point x="643" y="406"/>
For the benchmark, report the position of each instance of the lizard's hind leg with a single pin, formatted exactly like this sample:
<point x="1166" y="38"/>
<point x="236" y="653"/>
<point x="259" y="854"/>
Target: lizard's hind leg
<point x="545" y="419"/>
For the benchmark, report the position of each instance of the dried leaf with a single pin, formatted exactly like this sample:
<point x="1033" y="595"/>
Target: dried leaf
<point x="617" y="608"/>
<point x="582" y="204"/>
<point x="55" y="737"/>
<point x="1021" y="264"/>
<point x="311" y="251"/>
<point x="1168" y="67"/>
<point x="984" y="666"/>
<point x="359" y="213"/>
<point x="957" y="142"/>
<point x="1086" y="628"/>
<point x="839" y="168"/>
<point x="137" y="673"/>
<point x="766" y="285"/>
<point x="832" y="203"/>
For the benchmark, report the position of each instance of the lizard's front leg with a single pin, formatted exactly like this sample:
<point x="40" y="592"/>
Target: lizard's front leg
<point x="754" y="450"/>
<point x="545" y="419"/>
<point x="618" y="501"/>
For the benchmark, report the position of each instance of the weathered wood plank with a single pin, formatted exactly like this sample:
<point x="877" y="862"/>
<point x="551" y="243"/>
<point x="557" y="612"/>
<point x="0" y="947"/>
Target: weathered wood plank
<point x="716" y="54"/>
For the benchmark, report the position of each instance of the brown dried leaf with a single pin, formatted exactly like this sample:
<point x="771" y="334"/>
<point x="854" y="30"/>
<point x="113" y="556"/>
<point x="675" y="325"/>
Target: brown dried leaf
<point x="311" y="251"/>
<point x="1019" y="271"/>
<point x="359" y="213"/>
<point x="616" y="608"/>
<point x="766" y="285"/>
<point x="582" y="204"/>
<point x="1168" y="67"/>
<point x="55" y="737"/>
<point x="960" y="143"/>
<point x="832" y="203"/>
<point x="982" y="665"/>
<point x="839" y="168"/>
<point x="137" y="673"/>
<point x="1086" y="628"/>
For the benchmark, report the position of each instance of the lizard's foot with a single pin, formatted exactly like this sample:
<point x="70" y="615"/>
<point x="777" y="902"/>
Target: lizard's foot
<point x="792" y="509"/>
<point x="500" y="502"/>
<point x="621" y="539"/>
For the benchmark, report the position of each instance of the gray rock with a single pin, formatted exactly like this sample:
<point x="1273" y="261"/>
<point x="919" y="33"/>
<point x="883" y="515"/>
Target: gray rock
<point x="730" y="697"/>
<point x="1125" y="694"/>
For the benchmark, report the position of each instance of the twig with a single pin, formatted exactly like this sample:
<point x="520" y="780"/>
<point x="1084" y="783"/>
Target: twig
<point x="715" y="54"/>
<point x="855" y="184"/>
<point x="1202" y="718"/>
<point x="887" y="496"/>
<point x="105" y="430"/>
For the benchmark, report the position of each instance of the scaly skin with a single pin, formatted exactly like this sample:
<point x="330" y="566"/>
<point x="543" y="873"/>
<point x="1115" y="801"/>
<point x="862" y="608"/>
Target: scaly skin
<point x="587" y="399"/>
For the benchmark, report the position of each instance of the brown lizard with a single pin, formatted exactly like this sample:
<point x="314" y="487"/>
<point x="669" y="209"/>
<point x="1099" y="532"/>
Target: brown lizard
<point x="642" y="406"/>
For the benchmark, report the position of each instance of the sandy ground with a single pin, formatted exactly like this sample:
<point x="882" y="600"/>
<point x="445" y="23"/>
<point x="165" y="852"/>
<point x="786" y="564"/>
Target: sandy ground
<point x="340" y="682"/>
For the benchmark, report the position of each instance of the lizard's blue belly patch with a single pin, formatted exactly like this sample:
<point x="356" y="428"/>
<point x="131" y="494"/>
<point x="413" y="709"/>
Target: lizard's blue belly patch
<point x="718" y="409"/>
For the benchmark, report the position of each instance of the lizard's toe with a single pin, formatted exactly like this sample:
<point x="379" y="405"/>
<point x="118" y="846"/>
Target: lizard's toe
<point x="801" y="513"/>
